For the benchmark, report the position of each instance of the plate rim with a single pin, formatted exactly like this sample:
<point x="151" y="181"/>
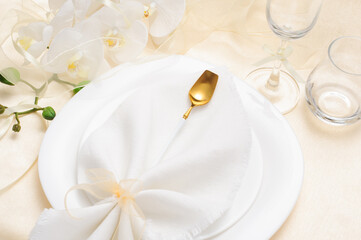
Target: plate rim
<point x="299" y="163"/>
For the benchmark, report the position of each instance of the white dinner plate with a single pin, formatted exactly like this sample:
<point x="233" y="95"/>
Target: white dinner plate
<point x="109" y="94"/>
<point x="262" y="203"/>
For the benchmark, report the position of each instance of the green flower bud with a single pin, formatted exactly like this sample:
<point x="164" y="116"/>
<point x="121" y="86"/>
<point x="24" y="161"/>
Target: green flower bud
<point x="80" y="86"/>
<point x="49" y="113"/>
<point x="16" y="127"/>
<point x="2" y="109"/>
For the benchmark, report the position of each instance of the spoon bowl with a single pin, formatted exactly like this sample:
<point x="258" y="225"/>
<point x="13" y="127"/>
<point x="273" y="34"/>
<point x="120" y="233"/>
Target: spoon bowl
<point x="202" y="91"/>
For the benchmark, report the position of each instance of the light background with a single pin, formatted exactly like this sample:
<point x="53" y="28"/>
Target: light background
<point x="228" y="33"/>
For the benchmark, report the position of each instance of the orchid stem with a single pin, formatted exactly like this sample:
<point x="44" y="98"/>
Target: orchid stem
<point x="17" y="118"/>
<point x="65" y="82"/>
<point x="38" y="90"/>
<point x="28" y="84"/>
<point x="28" y="111"/>
<point x="58" y="80"/>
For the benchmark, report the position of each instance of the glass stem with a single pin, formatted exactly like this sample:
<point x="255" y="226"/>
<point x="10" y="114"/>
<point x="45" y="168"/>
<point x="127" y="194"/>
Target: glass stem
<point x="274" y="79"/>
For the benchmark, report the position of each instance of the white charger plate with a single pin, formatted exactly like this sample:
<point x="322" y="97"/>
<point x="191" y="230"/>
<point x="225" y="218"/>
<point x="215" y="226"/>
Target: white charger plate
<point x="110" y="93"/>
<point x="262" y="211"/>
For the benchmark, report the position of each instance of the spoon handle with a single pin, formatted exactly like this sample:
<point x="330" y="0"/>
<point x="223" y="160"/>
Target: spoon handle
<point x="185" y="116"/>
<point x="171" y="139"/>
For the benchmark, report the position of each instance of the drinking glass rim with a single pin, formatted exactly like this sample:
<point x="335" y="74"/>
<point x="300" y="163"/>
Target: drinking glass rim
<point x="331" y="59"/>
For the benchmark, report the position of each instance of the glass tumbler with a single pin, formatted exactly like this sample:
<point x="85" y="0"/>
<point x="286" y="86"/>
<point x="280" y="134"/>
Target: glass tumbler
<point x="333" y="89"/>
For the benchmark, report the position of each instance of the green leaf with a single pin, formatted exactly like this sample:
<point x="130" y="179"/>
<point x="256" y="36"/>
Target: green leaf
<point x="2" y="109"/>
<point x="48" y="113"/>
<point x="9" y="76"/>
<point x="80" y="86"/>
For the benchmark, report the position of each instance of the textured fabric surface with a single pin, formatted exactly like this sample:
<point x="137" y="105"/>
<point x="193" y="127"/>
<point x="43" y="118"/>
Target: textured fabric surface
<point x="328" y="206"/>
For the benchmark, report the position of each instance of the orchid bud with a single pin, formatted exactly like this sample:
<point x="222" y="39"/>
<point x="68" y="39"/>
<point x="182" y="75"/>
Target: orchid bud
<point x="16" y="127"/>
<point x="48" y="113"/>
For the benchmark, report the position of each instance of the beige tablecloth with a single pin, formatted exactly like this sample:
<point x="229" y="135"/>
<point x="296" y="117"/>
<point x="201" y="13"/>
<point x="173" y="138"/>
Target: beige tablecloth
<point x="329" y="206"/>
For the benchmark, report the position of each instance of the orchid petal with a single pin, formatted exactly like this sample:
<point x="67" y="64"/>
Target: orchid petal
<point x="110" y="18"/>
<point x="56" y="4"/>
<point x="67" y="44"/>
<point x="56" y="58"/>
<point x="107" y="16"/>
<point x="135" y="40"/>
<point x="35" y="37"/>
<point x="33" y="30"/>
<point x="125" y="40"/>
<point x="94" y="7"/>
<point x="167" y="16"/>
<point x="122" y="15"/>
<point x="64" y="17"/>
<point x="134" y="10"/>
<point x="47" y="34"/>
<point x="37" y="49"/>
<point x="94" y="54"/>
<point x="81" y="8"/>
<point x="90" y="27"/>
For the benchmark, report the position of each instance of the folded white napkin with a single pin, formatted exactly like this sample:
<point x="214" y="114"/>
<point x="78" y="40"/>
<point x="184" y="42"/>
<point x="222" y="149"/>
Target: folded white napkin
<point x="132" y="197"/>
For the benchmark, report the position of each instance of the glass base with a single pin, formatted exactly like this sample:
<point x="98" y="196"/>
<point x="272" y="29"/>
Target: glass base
<point x="285" y="96"/>
<point x="333" y="104"/>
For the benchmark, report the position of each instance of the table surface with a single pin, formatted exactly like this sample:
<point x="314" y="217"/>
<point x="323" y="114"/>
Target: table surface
<point x="329" y="205"/>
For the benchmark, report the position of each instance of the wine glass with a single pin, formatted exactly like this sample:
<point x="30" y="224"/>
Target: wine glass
<point x="288" y="19"/>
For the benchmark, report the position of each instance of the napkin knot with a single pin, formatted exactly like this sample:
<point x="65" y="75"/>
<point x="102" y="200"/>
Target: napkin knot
<point x="124" y="194"/>
<point x="104" y="187"/>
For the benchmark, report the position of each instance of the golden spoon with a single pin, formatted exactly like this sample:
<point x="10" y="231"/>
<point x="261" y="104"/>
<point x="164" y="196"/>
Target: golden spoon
<point x="200" y="94"/>
<point x="202" y="90"/>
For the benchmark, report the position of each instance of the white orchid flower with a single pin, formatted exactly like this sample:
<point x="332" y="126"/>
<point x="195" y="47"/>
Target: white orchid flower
<point x="36" y="37"/>
<point x="74" y="52"/>
<point x="164" y="15"/>
<point x="124" y="36"/>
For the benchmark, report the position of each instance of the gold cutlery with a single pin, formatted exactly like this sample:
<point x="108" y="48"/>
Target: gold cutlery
<point x="200" y="94"/>
<point x="202" y="91"/>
